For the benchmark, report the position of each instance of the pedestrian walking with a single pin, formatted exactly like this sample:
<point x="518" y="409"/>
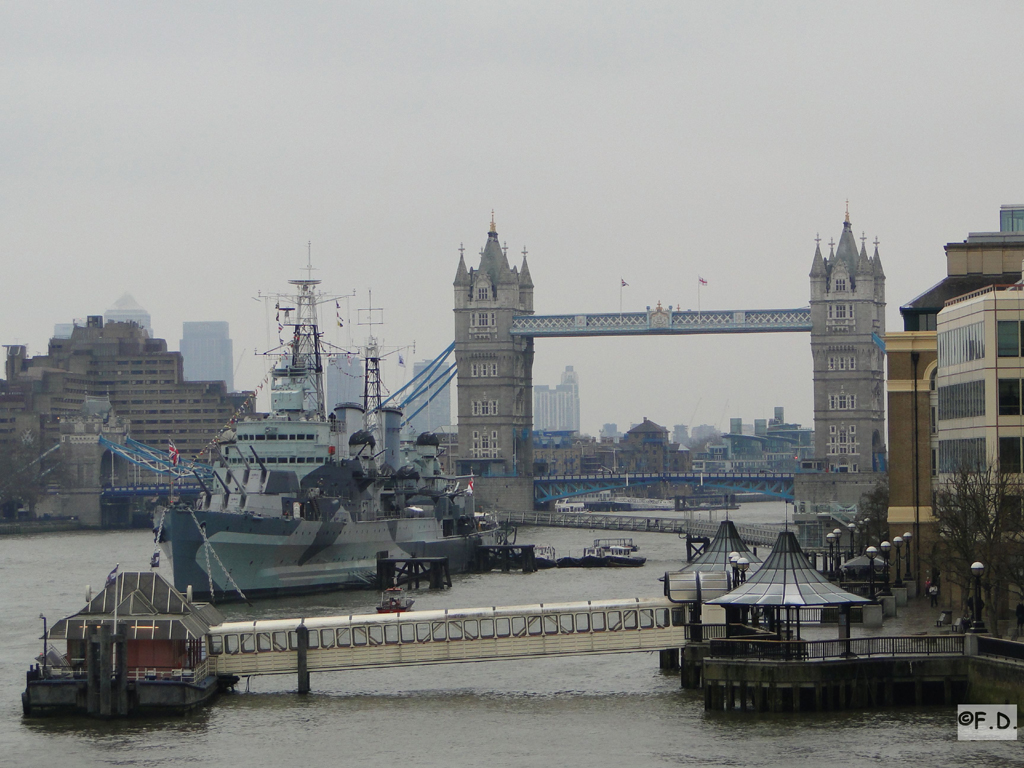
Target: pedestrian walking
<point x="933" y="595"/>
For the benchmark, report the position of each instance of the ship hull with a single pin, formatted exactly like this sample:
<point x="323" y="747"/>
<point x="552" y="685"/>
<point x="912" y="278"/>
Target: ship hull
<point x="269" y="557"/>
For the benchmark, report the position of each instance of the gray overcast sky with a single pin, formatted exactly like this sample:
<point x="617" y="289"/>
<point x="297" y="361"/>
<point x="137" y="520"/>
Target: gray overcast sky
<point x="186" y="152"/>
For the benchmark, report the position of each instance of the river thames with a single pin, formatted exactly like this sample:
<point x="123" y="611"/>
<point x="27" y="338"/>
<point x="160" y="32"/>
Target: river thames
<point x="614" y="710"/>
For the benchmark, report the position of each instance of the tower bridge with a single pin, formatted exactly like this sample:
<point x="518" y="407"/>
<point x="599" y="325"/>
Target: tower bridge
<point x="496" y="327"/>
<point x="661" y="321"/>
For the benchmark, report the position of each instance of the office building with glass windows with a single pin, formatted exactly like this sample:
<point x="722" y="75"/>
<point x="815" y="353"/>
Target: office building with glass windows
<point x="978" y="419"/>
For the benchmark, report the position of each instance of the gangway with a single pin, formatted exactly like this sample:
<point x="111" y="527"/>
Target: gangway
<point x="336" y="643"/>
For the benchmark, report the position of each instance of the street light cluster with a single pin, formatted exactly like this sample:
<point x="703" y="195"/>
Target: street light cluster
<point x="740" y="566"/>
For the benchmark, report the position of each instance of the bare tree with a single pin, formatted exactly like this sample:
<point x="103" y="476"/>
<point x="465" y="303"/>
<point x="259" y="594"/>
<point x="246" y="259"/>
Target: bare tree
<point x="979" y="514"/>
<point x="873" y="513"/>
<point x="19" y="475"/>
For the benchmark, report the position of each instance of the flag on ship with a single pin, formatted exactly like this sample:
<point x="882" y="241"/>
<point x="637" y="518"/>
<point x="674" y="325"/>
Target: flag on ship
<point x="172" y="453"/>
<point x="702" y="281"/>
<point x="154" y="561"/>
<point x="469" y="487"/>
<point x="624" y="283"/>
<point x="112" y="576"/>
<point x="401" y="360"/>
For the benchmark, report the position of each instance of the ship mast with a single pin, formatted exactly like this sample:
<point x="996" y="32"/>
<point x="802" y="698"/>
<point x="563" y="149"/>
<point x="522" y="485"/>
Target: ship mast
<point x="306" y="348"/>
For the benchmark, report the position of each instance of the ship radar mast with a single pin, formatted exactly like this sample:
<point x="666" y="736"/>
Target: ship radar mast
<point x="297" y="384"/>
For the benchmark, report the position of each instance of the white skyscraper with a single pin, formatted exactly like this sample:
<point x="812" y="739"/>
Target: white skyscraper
<point x="437" y="413"/>
<point x="343" y="380"/>
<point x="207" y="352"/>
<point x="557" y="409"/>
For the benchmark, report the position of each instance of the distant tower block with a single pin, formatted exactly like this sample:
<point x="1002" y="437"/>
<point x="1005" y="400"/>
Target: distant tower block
<point x="207" y="352"/>
<point x="558" y="408"/>
<point x="848" y="321"/>
<point x="127" y="310"/>
<point x="495" y="369"/>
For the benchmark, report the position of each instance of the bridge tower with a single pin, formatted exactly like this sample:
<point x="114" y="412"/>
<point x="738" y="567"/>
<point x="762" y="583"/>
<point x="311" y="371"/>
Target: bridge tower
<point x="848" y="322"/>
<point x="495" y="377"/>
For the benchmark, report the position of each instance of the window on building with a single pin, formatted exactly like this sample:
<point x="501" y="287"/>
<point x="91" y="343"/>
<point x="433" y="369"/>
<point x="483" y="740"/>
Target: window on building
<point x="1008" y="332"/>
<point x="840" y="284"/>
<point x="485" y="408"/>
<point x="1009" y="397"/>
<point x="963" y="454"/>
<point x="962" y="345"/>
<point x="842" y="402"/>
<point x="482" y="294"/>
<point x="840" y="311"/>
<point x="1009" y="454"/>
<point x="962" y="401"/>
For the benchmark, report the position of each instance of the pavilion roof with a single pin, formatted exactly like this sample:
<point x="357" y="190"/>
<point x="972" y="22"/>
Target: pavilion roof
<point x="147" y="605"/>
<point x="716" y="557"/>
<point x="786" y="578"/>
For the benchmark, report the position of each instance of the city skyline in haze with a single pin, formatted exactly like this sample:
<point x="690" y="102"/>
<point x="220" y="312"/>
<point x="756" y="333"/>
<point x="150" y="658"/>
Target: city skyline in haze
<point x="188" y="155"/>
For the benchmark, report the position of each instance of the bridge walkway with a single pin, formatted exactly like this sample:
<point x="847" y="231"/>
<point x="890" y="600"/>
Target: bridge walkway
<point x="449" y="636"/>
<point x="761" y="535"/>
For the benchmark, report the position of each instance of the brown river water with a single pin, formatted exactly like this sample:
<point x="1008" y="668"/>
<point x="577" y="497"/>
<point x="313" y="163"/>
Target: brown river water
<point x="617" y="710"/>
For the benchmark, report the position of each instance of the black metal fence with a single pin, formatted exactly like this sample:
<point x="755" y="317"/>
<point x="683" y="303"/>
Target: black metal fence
<point x="816" y="650"/>
<point x="991" y="646"/>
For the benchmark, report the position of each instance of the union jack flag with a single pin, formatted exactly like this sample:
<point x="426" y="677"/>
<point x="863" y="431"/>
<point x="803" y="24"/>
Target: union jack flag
<point x="172" y="453"/>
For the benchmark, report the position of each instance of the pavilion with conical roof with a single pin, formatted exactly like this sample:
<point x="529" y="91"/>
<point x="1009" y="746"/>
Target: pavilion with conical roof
<point x="716" y="557"/>
<point x="787" y="581"/>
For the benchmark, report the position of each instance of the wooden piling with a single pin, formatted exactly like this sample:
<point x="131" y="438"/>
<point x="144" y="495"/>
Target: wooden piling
<point x="106" y="672"/>
<point x="120" y="671"/>
<point x="92" y="663"/>
<point x="303" y="650"/>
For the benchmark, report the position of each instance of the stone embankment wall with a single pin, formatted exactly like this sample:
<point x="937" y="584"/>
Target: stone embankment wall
<point x="996" y="681"/>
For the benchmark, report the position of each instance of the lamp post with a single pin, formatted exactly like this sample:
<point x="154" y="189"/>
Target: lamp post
<point x="977" y="625"/>
<point x="885" y="546"/>
<point x="898" y="541"/>
<point x="872" y="553"/>
<point x="907" y="537"/>
<point x="46" y="638"/>
<point x="852" y="528"/>
<point x="838" y="533"/>
<point x="831" y="538"/>
<point x="743" y="565"/>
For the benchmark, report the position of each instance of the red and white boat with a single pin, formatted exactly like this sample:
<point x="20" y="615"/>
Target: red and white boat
<point x="393" y="600"/>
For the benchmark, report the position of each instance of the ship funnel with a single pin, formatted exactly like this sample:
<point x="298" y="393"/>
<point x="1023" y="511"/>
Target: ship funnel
<point x="392" y="435"/>
<point x="347" y="420"/>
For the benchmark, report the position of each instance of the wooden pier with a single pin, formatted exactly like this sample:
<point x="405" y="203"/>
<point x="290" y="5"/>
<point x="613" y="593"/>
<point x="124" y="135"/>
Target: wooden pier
<point x="411" y="571"/>
<point x="506" y="557"/>
<point x="815" y="676"/>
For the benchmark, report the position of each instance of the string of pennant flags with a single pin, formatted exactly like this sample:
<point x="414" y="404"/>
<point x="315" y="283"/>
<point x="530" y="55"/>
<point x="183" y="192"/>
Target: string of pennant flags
<point x="250" y="400"/>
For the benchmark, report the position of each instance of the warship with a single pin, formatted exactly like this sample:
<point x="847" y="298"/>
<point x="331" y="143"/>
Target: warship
<point x="306" y="500"/>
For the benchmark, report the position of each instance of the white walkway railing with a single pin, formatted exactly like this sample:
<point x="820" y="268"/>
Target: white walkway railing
<point x="445" y="636"/>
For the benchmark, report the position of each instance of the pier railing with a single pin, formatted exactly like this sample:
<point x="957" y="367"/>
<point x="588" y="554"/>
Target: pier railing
<point x="993" y="646"/>
<point x="817" y="650"/>
<point x="763" y="535"/>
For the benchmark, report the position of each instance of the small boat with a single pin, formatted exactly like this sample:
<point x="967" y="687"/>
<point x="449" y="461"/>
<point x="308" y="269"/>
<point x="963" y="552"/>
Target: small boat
<point x="393" y="600"/>
<point x="611" y="556"/>
<point x="622" y="557"/>
<point x="605" y="543"/>
<point x="544" y="556"/>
